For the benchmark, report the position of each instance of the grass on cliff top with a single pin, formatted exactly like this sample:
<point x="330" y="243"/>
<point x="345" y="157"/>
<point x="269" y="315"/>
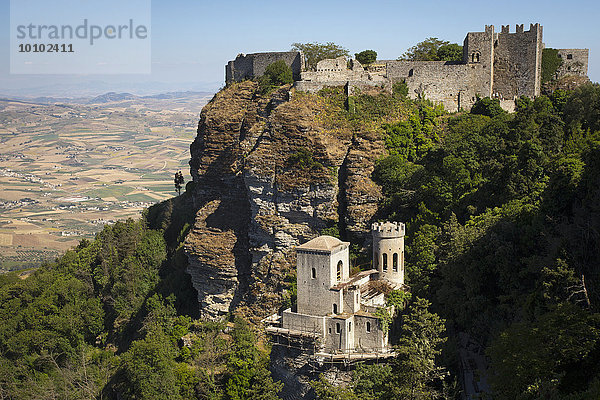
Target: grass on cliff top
<point x="366" y="115"/>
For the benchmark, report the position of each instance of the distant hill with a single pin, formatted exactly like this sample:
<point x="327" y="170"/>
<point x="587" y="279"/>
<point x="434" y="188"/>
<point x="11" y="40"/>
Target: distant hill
<point x="108" y="97"/>
<point x="111" y="97"/>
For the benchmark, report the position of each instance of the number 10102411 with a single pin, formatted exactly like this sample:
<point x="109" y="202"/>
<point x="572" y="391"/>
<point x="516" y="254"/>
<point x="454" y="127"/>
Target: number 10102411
<point x="46" y="48"/>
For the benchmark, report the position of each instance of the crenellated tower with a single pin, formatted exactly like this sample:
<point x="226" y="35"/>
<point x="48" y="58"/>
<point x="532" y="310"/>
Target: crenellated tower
<point x="388" y="251"/>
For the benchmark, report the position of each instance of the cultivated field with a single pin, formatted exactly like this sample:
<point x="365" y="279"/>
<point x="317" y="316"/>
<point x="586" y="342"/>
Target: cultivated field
<point x="68" y="169"/>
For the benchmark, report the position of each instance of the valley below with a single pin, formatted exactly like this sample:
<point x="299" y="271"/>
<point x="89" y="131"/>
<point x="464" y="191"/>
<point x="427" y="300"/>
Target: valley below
<point x="67" y="168"/>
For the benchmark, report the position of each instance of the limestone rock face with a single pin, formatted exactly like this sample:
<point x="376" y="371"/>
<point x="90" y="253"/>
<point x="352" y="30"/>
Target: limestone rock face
<point x="269" y="174"/>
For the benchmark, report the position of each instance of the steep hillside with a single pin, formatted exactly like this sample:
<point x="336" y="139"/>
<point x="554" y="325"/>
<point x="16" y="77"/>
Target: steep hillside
<point x="270" y="172"/>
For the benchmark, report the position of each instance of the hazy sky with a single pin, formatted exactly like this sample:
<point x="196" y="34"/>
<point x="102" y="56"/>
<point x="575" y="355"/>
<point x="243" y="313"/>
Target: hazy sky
<point x="192" y="40"/>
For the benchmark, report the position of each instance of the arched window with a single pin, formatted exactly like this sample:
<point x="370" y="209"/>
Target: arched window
<point x="368" y="326"/>
<point x="313" y="273"/>
<point x="339" y="270"/>
<point x="384" y="261"/>
<point x="357" y="298"/>
<point x="338" y="328"/>
<point x="334" y="308"/>
<point x="349" y="326"/>
<point x="475" y="57"/>
<point x="395" y="262"/>
<point x="411" y="72"/>
<point x="376" y="260"/>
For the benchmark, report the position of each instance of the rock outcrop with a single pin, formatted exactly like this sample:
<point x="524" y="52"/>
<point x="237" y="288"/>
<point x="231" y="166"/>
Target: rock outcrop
<point x="270" y="172"/>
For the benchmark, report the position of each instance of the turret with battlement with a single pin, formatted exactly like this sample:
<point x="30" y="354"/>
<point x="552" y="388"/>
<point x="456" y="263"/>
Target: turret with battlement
<point x="388" y="251"/>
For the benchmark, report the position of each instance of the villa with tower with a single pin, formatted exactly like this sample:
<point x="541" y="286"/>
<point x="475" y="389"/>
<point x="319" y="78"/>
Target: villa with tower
<point x="338" y="311"/>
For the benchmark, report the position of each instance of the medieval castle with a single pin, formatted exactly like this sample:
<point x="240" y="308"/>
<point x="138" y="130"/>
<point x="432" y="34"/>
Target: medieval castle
<point x="336" y="311"/>
<point x="503" y="65"/>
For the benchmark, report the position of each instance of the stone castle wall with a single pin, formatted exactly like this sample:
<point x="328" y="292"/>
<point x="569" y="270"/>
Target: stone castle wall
<point x="503" y="65"/>
<point x="250" y="66"/>
<point x="456" y="86"/>
<point x="518" y="63"/>
<point x="574" y="62"/>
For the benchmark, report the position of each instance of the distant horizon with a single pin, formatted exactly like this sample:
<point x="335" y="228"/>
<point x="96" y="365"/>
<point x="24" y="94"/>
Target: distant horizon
<point x="192" y="41"/>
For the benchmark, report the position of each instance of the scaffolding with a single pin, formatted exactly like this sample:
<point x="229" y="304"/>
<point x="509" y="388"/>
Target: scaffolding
<point x="308" y="340"/>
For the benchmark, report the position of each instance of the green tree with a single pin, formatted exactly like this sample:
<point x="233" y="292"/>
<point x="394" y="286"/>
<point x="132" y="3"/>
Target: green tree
<point x="279" y="73"/>
<point x="583" y="108"/>
<point x="433" y="49"/>
<point x="178" y="181"/>
<point x="150" y="369"/>
<point x="415" y="368"/>
<point x="366" y="57"/>
<point x="550" y="64"/>
<point x="326" y="391"/>
<point x="528" y="356"/>
<point x="450" y="52"/>
<point x="488" y="107"/>
<point x="276" y="74"/>
<point x="250" y="377"/>
<point x="421" y="257"/>
<point x="374" y="382"/>
<point x="315" y="52"/>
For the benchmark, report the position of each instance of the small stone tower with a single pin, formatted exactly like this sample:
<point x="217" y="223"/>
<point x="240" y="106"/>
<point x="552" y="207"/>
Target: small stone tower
<point x="322" y="264"/>
<point x="388" y="251"/>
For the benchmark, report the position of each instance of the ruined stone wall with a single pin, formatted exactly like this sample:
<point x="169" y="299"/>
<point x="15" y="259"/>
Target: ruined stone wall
<point x="253" y="65"/>
<point x="239" y="69"/>
<point x="517" y="63"/>
<point x="334" y="72"/>
<point x="303" y="322"/>
<point x="574" y="62"/>
<point x="455" y="86"/>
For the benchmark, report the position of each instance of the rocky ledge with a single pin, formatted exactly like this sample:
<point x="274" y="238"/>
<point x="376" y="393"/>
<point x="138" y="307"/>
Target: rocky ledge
<point x="269" y="172"/>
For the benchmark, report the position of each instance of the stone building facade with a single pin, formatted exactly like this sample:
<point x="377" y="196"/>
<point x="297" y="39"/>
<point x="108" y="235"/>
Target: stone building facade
<point x="503" y="65"/>
<point x="337" y="309"/>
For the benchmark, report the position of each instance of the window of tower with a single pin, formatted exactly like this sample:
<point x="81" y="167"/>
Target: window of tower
<point x="339" y="270"/>
<point x="335" y="308"/>
<point x="384" y="262"/>
<point x="569" y="56"/>
<point x="402" y="258"/>
<point x="368" y="326"/>
<point x="376" y="260"/>
<point x="395" y="262"/>
<point x="338" y="328"/>
<point x="313" y="273"/>
<point x="349" y="326"/>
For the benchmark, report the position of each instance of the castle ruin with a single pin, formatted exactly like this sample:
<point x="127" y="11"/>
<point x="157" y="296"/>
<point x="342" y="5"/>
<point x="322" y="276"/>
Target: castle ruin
<point x="502" y="65"/>
<point x="336" y="311"/>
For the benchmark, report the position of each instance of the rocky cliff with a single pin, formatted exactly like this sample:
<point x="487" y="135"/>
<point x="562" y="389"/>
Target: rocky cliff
<point x="269" y="172"/>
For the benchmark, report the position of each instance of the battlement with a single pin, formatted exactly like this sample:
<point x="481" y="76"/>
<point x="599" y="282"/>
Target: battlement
<point x="388" y="229"/>
<point x="519" y="28"/>
<point x="501" y="64"/>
